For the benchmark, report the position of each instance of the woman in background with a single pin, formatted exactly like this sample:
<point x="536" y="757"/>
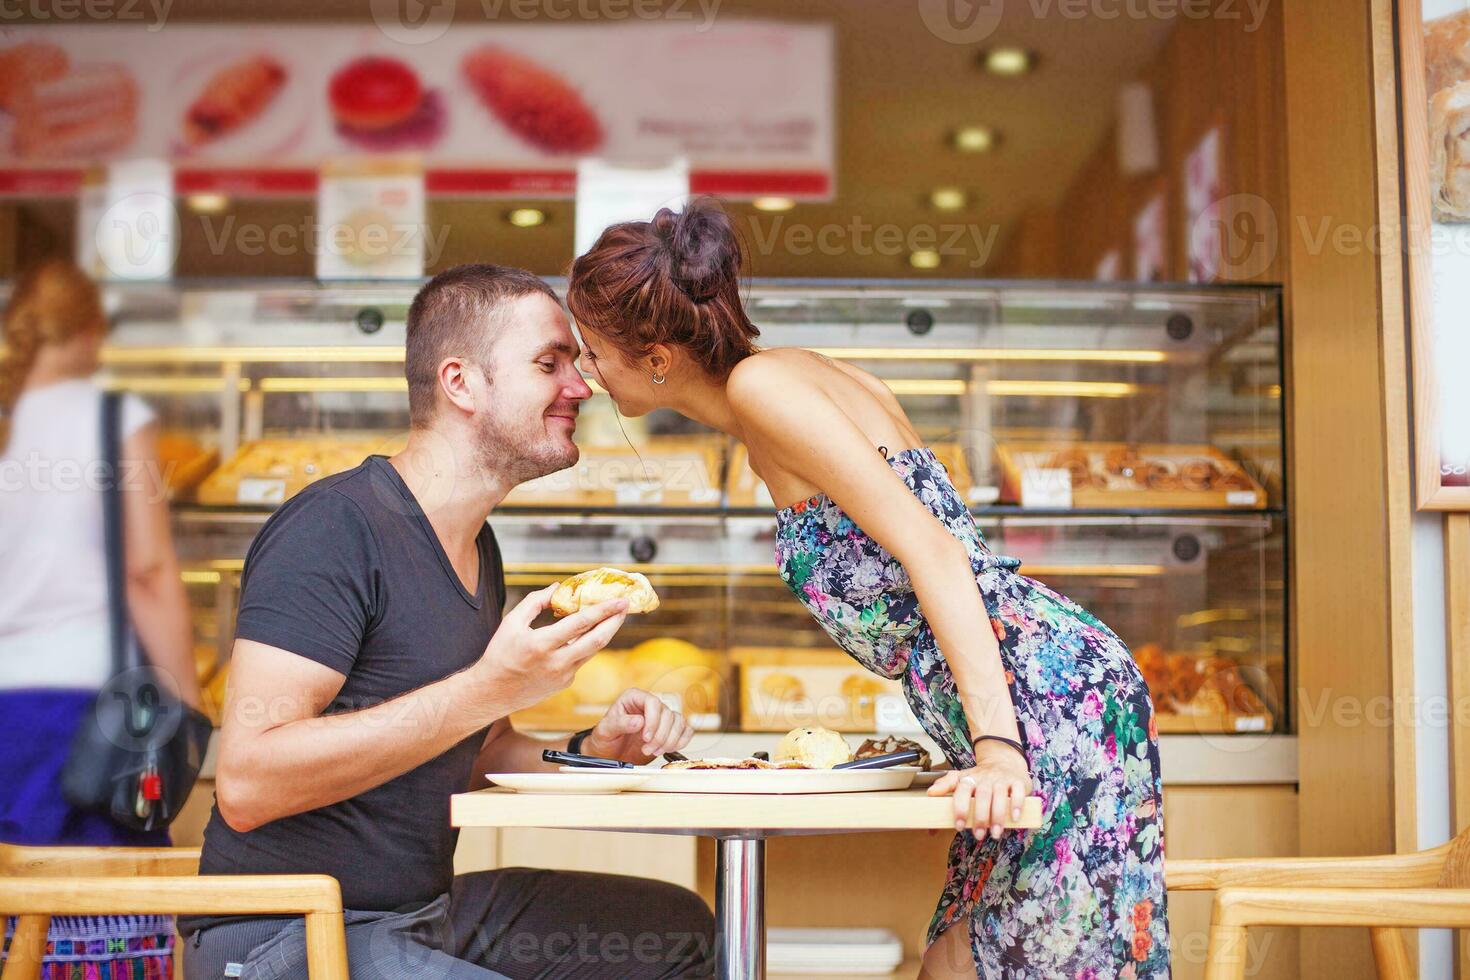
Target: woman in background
<point x="55" y="652"/>
<point x="1019" y="686"/>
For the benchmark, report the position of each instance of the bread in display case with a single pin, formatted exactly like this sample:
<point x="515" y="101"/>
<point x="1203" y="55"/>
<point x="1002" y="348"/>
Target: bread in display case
<point x="1161" y="404"/>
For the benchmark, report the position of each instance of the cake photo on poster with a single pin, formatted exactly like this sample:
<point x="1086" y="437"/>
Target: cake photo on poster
<point x="1447" y="87"/>
<point x="58" y="109"/>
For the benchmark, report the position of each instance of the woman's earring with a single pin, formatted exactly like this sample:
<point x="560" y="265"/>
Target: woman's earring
<point x="659" y="379"/>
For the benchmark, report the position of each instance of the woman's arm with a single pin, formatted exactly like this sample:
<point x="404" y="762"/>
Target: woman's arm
<point x="815" y="440"/>
<point x="156" y="600"/>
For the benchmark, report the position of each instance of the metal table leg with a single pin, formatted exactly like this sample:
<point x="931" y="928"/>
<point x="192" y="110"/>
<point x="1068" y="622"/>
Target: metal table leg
<point x="740" y="909"/>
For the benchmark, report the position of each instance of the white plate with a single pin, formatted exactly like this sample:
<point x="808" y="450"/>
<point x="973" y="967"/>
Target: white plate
<point x="578" y="781"/>
<point x="773" y="780"/>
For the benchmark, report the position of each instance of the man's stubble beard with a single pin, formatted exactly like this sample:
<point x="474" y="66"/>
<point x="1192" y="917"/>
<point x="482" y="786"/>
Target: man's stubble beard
<point x="519" y="454"/>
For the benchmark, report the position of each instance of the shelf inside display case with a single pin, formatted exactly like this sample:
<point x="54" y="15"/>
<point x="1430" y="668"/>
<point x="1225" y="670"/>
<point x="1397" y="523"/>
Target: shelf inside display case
<point x="1157" y="409"/>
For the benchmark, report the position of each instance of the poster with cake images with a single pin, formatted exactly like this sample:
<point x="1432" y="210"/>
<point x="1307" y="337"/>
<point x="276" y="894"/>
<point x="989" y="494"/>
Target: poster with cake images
<point x="1150" y="242"/>
<point x="490" y="108"/>
<point x="1202" y="193"/>
<point x="1436" y="90"/>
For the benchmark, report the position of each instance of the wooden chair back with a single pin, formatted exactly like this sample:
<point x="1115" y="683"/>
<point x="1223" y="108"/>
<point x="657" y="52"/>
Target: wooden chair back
<point x="38" y="882"/>
<point x="1456" y="871"/>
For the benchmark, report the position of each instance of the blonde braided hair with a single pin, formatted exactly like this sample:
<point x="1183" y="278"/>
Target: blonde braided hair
<point x="51" y="304"/>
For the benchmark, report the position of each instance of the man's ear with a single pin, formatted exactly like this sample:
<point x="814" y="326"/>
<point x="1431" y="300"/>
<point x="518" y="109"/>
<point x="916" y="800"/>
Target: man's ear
<point x="454" y="384"/>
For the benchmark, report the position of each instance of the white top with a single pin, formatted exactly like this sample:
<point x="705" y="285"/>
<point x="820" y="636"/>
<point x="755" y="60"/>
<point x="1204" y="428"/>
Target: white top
<point x="53" y="578"/>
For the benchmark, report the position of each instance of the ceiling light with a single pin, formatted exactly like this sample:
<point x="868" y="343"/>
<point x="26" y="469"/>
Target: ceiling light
<point x="526" y="217"/>
<point x="774" y="204"/>
<point x="207" y="203"/>
<point x="948" y="198"/>
<point x="924" y="258"/>
<point x="974" y="139"/>
<point x="1008" y="61"/>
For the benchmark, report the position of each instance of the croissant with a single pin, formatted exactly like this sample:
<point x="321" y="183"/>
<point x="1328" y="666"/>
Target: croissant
<point x="603" y="585"/>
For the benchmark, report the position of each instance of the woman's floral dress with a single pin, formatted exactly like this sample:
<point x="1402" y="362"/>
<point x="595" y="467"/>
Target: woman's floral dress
<point x="1083" y="896"/>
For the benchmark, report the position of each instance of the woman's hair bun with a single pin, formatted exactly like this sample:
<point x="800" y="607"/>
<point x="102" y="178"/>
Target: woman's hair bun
<point x="672" y="280"/>
<point x="704" y="251"/>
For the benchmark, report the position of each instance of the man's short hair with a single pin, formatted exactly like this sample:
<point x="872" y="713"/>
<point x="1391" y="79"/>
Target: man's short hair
<point x="458" y="314"/>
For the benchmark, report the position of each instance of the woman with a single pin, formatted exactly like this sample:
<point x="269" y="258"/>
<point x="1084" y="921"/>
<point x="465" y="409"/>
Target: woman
<point x="1022" y="688"/>
<point x="55" y="650"/>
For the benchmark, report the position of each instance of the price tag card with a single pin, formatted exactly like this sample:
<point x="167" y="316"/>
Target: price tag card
<point x="370" y="215"/>
<point x="1049" y="488"/>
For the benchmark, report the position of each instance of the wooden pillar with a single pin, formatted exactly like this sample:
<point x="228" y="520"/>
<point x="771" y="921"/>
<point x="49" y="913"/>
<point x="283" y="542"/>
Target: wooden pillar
<point x="1348" y="429"/>
<point x="1457" y="649"/>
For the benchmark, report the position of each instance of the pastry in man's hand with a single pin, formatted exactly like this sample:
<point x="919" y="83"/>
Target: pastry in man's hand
<point x="604" y="585"/>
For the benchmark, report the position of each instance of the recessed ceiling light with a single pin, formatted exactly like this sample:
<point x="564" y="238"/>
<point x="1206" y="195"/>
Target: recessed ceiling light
<point x="948" y="198"/>
<point x="526" y="217"/>
<point x="774" y="204"/>
<point x="924" y="258"/>
<point x="1008" y="61"/>
<point x="207" y="203"/>
<point x="974" y="139"/>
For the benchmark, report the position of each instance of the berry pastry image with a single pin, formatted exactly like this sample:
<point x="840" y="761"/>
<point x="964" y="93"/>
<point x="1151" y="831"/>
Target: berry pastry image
<point x="533" y="102"/>
<point x="234" y="96"/>
<point x="379" y="104"/>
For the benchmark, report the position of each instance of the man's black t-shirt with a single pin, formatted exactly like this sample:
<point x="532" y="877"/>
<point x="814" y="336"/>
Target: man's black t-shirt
<point x="350" y="574"/>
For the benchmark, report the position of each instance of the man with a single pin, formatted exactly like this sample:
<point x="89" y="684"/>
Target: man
<point x="372" y="676"/>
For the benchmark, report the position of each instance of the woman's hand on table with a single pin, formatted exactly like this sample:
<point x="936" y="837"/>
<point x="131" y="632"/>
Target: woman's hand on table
<point x="989" y="794"/>
<point x="638" y="728"/>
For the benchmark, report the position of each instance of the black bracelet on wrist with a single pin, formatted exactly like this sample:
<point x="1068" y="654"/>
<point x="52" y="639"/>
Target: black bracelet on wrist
<point x="574" y="744"/>
<point x="1004" y="741"/>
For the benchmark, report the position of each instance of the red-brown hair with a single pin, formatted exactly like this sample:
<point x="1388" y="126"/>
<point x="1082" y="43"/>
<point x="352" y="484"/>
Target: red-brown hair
<point x="674" y="280"/>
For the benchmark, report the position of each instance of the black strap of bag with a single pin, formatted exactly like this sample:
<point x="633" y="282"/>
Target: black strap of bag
<point x="137" y="754"/>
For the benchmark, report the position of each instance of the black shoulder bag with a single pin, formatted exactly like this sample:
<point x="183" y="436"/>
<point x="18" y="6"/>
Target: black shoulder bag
<point x="137" y="754"/>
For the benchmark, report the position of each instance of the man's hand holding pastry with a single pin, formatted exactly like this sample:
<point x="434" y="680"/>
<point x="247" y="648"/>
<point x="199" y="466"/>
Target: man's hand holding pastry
<point x="525" y="665"/>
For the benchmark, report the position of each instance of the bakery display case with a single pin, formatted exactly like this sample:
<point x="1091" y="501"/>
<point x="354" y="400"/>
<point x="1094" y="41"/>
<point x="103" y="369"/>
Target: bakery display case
<point x="1125" y="441"/>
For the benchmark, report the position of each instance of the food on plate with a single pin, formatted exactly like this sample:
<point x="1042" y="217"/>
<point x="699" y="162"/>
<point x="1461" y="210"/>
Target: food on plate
<point x="746" y="763"/>
<point x="26" y="64"/>
<point x="380" y="104"/>
<point x="89" y="111"/>
<point x="532" y="101"/>
<point x="232" y="97"/>
<point x="603" y="585"/>
<point x="815" y="748"/>
<point x="887" y="746"/>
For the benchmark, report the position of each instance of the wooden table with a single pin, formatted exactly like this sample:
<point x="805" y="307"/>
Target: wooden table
<point x="740" y="825"/>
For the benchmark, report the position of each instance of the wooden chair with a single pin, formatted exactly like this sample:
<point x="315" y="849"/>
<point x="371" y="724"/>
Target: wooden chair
<point x="38" y="882"/>
<point x="1385" y="893"/>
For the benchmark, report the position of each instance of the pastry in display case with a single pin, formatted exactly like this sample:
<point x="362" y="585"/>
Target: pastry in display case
<point x="1160" y="404"/>
<point x="268" y="471"/>
<point x="671" y="472"/>
<point x="1126" y="475"/>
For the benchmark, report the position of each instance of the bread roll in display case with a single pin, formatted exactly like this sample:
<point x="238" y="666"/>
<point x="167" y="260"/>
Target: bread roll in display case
<point x="1125" y="441"/>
